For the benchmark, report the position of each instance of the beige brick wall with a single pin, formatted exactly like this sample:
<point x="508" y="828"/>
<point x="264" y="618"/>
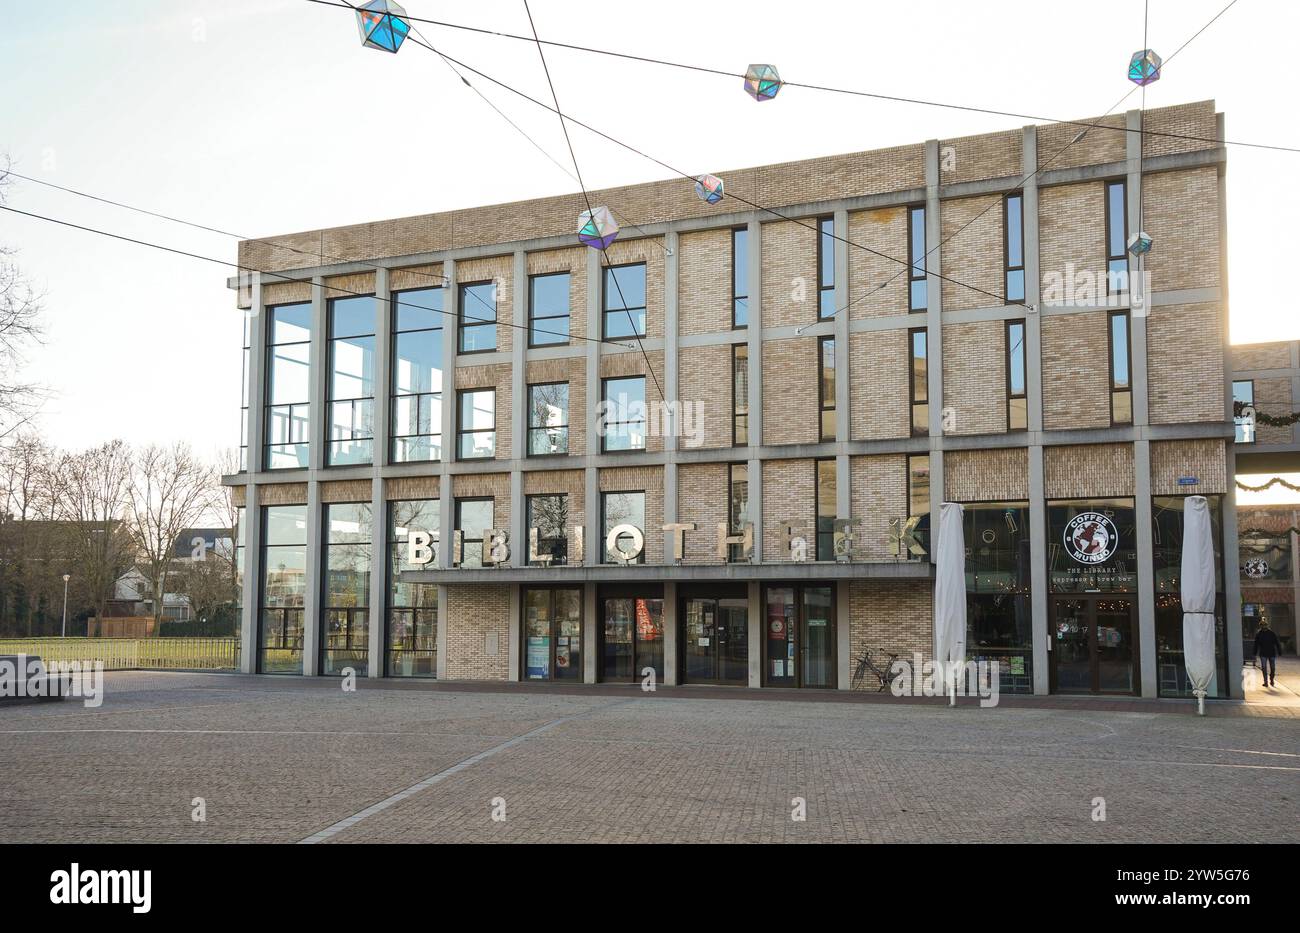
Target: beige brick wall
<point x="1057" y="150"/>
<point x="989" y="155"/>
<point x="282" y="494"/>
<point x="489" y="376"/>
<point x="348" y="286"/>
<point x="878" y="496"/>
<point x="1262" y="355"/>
<point x="975" y="376"/>
<point x="704" y="282"/>
<point x="986" y="475"/>
<point x="574" y="262"/>
<point x="790" y="412"/>
<point x="1087" y="471"/>
<point x="889" y="618"/>
<point x="702" y="499"/>
<point x="1195" y="119"/>
<point x="704" y="380"/>
<point x="1076" y="370"/>
<point x="789" y="273"/>
<point x="879" y="405"/>
<point x="1204" y="459"/>
<point x="499" y="269"/>
<point x="1072" y="234"/>
<point x="279" y="293"/>
<point x="1185" y="364"/>
<point x="475" y="613"/>
<point x="788" y="495"/>
<point x="411" y="487"/>
<point x="1180" y="211"/>
<point x="885" y="231"/>
<point x="430" y="276"/>
<point x="649" y="480"/>
<point x="573" y="370"/>
<point x="972" y="256"/>
<point x="353" y="490"/>
<point x="571" y="483"/>
<point x="479" y="485"/>
<point x="1273" y="397"/>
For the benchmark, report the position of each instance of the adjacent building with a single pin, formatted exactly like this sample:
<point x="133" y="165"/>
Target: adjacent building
<point x="712" y="451"/>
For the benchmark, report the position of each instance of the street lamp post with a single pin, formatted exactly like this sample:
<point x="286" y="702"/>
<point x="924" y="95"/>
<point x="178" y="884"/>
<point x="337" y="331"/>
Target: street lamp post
<point x="66" y="578"/>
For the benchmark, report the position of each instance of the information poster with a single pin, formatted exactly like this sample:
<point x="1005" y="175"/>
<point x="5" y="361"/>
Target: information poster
<point x="538" y="657"/>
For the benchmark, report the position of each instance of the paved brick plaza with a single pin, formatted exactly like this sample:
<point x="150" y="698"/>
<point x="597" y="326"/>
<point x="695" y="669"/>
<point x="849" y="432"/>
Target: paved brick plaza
<point x="282" y="760"/>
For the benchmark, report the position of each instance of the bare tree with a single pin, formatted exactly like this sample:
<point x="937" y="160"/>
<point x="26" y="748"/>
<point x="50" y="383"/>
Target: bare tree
<point x="20" y="328"/>
<point x="92" y="490"/>
<point x="33" y="556"/>
<point x="170" y="490"/>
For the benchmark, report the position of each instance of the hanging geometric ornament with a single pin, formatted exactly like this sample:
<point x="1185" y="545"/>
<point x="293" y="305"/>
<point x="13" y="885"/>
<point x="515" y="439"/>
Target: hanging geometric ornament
<point x="1139" y="243"/>
<point x="762" y="82"/>
<point x="383" y="25"/>
<point x="709" y="188"/>
<point x="596" y="228"/>
<point x="1144" y="68"/>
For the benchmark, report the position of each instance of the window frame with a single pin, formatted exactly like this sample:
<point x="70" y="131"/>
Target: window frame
<point x="737" y="414"/>
<point x="393" y="394"/>
<point x="1007" y="267"/>
<point x="567" y="316"/>
<point x="461" y="430"/>
<point x="268" y="382"/>
<point x="817" y="516"/>
<point x="464" y="540"/>
<point x="824" y="287"/>
<point x="1122" y="184"/>
<point x="604" y="531"/>
<point x="331" y="343"/>
<point x="912" y="260"/>
<point x="913" y="401"/>
<point x="529" y="526"/>
<point x="530" y="428"/>
<point x="1024" y="363"/>
<point x="822" y="402"/>
<point x="463" y="325"/>
<point x="604" y="398"/>
<point x="1236" y="419"/>
<point x="1110" y="362"/>
<point x="735" y="552"/>
<point x="606" y="276"/>
<point x="737" y="298"/>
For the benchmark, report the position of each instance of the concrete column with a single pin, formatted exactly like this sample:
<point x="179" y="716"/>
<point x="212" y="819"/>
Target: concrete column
<point x="318" y="363"/>
<point x="447" y="505"/>
<point x="442" y="631"/>
<point x="518" y="367"/>
<point x="843" y="635"/>
<point x="1145" y="560"/>
<point x="1137" y="316"/>
<point x="312" y="621"/>
<point x="1231" y="574"/>
<point x="754" y="470"/>
<point x="754" y="333"/>
<point x="378" y="576"/>
<point x="842" y="394"/>
<point x="590" y="640"/>
<point x="516" y="623"/>
<point x="252" y="583"/>
<point x="1038" y="585"/>
<point x="671" y="443"/>
<point x="934" y="327"/>
<point x="255" y="425"/>
<point x="671" y="625"/>
<point x="593" y="546"/>
<point x="383" y="368"/>
<point x="755" y="595"/>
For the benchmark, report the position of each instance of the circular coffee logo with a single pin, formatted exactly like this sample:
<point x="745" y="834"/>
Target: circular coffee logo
<point x="1256" y="568"/>
<point x="1091" y="538"/>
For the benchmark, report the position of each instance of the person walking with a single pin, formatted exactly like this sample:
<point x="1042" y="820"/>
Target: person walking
<point x="1267" y="648"/>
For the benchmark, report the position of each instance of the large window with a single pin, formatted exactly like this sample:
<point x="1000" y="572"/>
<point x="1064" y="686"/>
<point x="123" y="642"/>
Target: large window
<point x="998" y="615"/>
<point x="825" y="267"/>
<point x="352" y="380"/>
<point x="1116" y="238"/>
<point x="826" y="387"/>
<point x="417" y="375"/>
<point x="1013" y="225"/>
<point x="345" y="615"/>
<point x="289" y="386"/>
<point x="917" y="296"/>
<point x="623" y="301"/>
<point x="476" y="430"/>
<point x="478" y="317"/>
<point x="1017" y="402"/>
<point x="826" y="509"/>
<point x="284" y="588"/>
<point x="473" y="518"/>
<point x="548" y="309"/>
<point x="625" y="413"/>
<point x="739" y="395"/>
<point x="918" y="499"/>
<point x="412" y="607"/>
<point x="740" y="277"/>
<point x="622" y="508"/>
<point x="548" y="419"/>
<point x="552" y="633"/>
<point x="1243" y="393"/>
<point x="1166" y="564"/>
<point x="1121" y="386"/>
<point x="547" y="527"/>
<point x="737" y="506"/>
<point x="243" y="393"/>
<point x="918" y="381"/>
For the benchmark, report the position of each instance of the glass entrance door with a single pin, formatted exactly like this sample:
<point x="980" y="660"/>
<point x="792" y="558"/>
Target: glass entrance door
<point x="817" y="652"/>
<point x="1093" y="647"/>
<point x="632" y="638"/>
<point x="552" y="634"/>
<point x="715" y="646"/>
<point x="799" y="636"/>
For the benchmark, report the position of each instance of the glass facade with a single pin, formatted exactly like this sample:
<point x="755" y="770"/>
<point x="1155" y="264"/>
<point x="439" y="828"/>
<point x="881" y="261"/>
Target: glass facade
<point x="412" y="607"/>
<point x="632" y="638"/>
<point x="288" y="386"/>
<point x="1167" y="556"/>
<point x="552" y="630"/>
<point x="352" y="380"/>
<point x="998" y="611"/>
<point x="417" y="375"/>
<point x="345" y="613"/>
<point x="284" y="588"/>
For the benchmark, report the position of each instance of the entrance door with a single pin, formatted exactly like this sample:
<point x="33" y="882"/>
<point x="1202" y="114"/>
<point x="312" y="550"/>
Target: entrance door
<point x="631" y="638"/>
<point x="715" y="646"/>
<point x="552" y="634"/>
<point x="1093" y="646"/>
<point x="800" y="636"/>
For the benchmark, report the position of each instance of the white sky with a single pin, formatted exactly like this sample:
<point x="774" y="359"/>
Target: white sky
<point x="269" y="117"/>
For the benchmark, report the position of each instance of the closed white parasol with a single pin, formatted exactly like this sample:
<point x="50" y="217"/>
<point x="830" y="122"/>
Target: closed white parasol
<point x="1197" y="579"/>
<point x="950" y="596"/>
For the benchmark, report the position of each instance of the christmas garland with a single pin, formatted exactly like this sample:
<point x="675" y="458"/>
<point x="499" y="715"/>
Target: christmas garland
<point x="1275" y="481"/>
<point x="1276" y="421"/>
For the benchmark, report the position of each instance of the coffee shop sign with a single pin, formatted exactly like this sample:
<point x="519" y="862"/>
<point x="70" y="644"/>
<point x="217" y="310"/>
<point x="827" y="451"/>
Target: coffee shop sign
<point x="625" y="542"/>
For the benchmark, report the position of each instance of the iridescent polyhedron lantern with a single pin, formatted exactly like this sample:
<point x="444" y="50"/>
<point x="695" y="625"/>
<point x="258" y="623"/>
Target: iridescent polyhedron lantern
<point x="1144" y="68"/>
<point x="762" y="82"/>
<point x="597" y="228"/>
<point x="1139" y="243"/>
<point x="383" y="25"/>
<point x="709" y="188"/>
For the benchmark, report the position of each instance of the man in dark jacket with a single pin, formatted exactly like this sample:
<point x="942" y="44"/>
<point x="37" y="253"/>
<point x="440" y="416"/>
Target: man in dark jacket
<point x="1267" y="648"/>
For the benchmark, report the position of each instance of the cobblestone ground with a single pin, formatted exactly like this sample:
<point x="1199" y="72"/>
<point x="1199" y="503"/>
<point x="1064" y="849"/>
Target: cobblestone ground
<point x="284" y="760"/>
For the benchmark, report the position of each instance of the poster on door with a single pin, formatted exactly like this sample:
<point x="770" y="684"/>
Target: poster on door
<point x="538" y="657"/>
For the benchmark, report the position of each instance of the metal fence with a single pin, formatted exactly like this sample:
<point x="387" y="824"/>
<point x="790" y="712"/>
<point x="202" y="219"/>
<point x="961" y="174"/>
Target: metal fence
<point x="133" y="654"/>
